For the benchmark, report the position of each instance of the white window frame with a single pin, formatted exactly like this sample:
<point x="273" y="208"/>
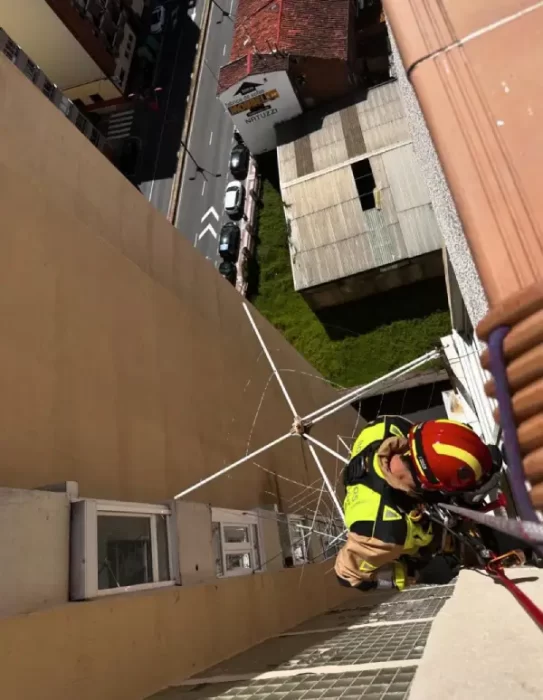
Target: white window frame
<point x="332" y="529"/>
<point x="292" y="522"/>
<point x="84" y="545"/>
<point x="225" y="517"/>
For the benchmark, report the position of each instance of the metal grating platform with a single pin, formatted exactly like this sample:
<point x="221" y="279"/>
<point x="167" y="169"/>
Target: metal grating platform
<point x="365" y="645"/>
<point x="384" y="684"/>
<point x="410" y="610"/>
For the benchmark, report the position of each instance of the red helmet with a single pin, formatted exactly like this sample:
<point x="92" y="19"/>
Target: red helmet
<point x="448" y="456"/>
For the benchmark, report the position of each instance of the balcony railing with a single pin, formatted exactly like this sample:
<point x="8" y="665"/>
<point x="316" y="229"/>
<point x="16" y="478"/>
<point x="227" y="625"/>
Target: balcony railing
<point x="33" y="72"/>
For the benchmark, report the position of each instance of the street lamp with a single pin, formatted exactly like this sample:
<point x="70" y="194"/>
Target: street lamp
<point x="224" y="12"/>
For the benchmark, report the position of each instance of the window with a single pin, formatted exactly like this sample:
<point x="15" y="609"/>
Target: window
<point x="299" y="534"/>
<point x="118" y="547"/>
<point x="365" y="183"/>
<point x="11" y="50"/>
<point x="31" y="70"/>
<point x="48" y="89"/>
<point x="81" y="122"/>
<point x="330" y="537"/>
<point x="95" y="137"/>
<point x="236" y="542"/>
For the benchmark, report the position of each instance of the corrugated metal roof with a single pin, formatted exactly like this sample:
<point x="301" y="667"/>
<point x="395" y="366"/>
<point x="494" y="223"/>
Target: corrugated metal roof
<point x="331" y="235"/>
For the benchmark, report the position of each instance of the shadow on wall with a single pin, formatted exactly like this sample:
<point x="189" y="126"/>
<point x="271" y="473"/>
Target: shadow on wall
<point x="414" y="301"/>
<point x="268" y="169"/>
<point x="417" y="403"/>
<point x="160" y="130"/>
<point x="330" y="639"/>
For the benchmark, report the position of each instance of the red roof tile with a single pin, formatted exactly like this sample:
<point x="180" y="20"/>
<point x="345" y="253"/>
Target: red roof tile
<point x="302" y="27"/>
<point x="317" y="28"/>
<point x="251" y="64"/>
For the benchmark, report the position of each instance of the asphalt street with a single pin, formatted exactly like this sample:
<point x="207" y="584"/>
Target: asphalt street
<point x="162" y="130"/>
<point x="200" y="212"/>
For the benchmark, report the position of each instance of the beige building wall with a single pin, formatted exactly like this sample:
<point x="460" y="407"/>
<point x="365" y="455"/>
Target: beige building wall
<point x="129" y="365"/>
<point x="34" y="539"/>
<point x="105" y="88"/>
<point x="48" y="42"/>
<point x="134" y="645"/>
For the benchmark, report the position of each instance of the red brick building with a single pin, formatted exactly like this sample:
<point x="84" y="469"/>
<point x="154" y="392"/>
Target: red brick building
<point x="306" y="45"/>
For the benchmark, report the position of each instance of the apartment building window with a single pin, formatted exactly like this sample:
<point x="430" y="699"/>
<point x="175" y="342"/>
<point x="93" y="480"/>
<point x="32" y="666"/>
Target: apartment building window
<point x="330" y="537"/>
<point x="119" y="547"/>
<point x="298" y="535"/>
<point x="31" y="70"/>
<point x="236" y="542"/>
<point x="81" y="122"/>
<point x="95" y="137"/>
<point x="11" y="50"/>
<point x="365" y="183"/>
<point x="48" y="89"/>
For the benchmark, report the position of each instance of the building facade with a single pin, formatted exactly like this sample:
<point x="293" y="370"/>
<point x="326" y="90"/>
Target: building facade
<point x="357" y="206"/>
<point x="281" y="64"/>
<point x="84" y="46"/>
<point x="131" y="372"/>
<point x="34" y="73"/>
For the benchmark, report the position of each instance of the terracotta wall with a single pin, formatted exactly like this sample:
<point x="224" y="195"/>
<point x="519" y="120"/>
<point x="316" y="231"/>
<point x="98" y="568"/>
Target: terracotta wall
<point x="134" y="645"/>
<point x="128" y="363"/>
<point x="471" y="64"/>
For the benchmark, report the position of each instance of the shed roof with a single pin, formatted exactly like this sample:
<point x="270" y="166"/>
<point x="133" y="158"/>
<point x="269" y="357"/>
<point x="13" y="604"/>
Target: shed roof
<point x="331" y="235"/>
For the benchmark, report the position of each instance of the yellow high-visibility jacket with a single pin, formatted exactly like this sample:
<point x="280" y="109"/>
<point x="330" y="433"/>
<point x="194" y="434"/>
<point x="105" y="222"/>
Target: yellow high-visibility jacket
<point x="380" y="513"/>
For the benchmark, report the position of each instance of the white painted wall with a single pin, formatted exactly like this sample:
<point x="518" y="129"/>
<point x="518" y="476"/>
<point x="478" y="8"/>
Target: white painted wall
<point x="196" y="562"/>
<point x="34" y="550"/>
<point x="273" y="558"/>
<point x="126" y="54"/>
<point x="40" y="33"/>
<point x="258" y="127"/>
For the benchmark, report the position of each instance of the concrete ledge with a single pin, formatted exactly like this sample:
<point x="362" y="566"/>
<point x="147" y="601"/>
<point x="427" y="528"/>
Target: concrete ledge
<point x="482" y="643"/>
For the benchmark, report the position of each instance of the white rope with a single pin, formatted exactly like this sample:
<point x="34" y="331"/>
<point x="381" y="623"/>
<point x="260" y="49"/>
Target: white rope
<point x="216" y="475"/>
<point x="346" y="400"/>
<point x="326" y="448"/>
<point x="327" y="483"/>
<point x="269" y="358"/>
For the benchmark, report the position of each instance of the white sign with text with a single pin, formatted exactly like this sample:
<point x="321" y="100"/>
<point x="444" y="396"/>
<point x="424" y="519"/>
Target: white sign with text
<point x="259" y="102"/>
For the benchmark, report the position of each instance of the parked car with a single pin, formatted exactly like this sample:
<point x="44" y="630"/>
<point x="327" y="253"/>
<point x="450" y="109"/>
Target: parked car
<point x="234" y="199"/>
<point x="229" y="271"/>
<point x="158" y="19"/>
<point x="239" y="161"/>
<point x="229" y="238"/>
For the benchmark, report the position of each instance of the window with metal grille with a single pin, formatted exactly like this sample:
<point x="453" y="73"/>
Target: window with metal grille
<point x="365" y="183"/>
<point x="95" y="137"/>
<point x="81" y="122"/>
<point x="11" y="50"/>
<point x="48" y="89"/>
<point x="31" y="70"/>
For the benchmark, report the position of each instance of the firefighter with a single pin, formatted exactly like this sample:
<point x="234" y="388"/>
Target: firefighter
<point x="395" y="466"/>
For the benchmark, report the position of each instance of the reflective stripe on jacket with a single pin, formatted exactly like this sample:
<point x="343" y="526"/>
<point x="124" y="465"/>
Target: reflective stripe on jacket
<point x="378" y="511"/>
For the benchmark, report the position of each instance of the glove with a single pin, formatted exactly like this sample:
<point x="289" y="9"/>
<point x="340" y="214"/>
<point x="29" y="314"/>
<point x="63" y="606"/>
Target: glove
<point x="441" y="570"/>
<point x="354" y="471"/>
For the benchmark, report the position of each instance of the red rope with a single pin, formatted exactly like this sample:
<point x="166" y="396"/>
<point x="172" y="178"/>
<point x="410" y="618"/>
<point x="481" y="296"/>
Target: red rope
<point x="531" y="608"/>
